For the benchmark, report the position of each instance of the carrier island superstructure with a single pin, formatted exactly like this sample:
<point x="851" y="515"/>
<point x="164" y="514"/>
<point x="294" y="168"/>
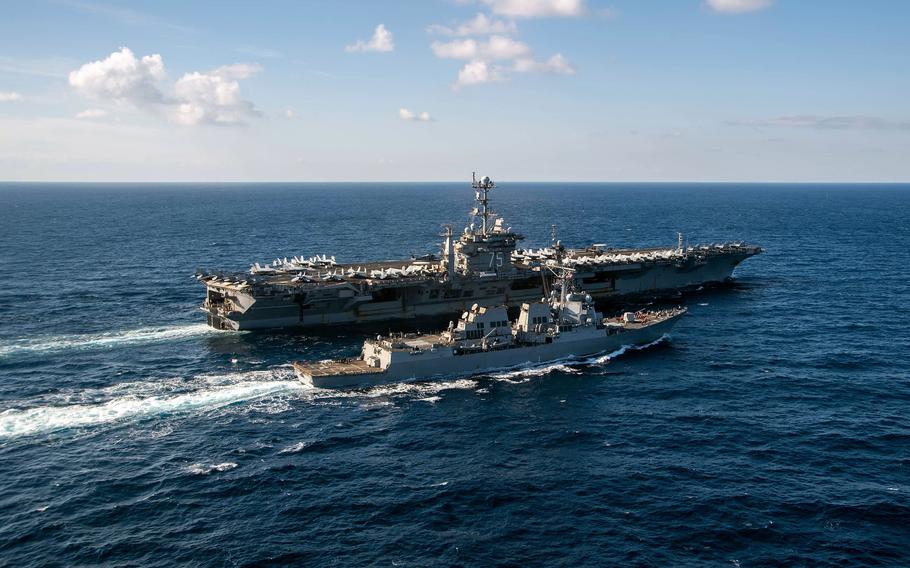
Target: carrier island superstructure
<point x="483" y="265"/>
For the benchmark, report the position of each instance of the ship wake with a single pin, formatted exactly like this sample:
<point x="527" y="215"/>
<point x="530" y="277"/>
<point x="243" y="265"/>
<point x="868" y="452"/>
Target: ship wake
<point x="269" y="391"/>
<point x="604" y="359"/>
<point x="570" y="365"/>
<point x="140" y="405"/>
<point x="97" y="341"/>
<point x="418" y="390"/>
<point x="134" y="401"/>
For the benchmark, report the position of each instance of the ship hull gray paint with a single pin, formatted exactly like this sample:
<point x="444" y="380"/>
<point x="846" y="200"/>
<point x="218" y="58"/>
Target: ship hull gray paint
<point x="281" y="312"/>
<point x="443" y="364"/>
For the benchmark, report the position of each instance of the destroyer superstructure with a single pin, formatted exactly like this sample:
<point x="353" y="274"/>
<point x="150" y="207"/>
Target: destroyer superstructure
<point x="482" y="265"/>
<point x="566" y="325"/>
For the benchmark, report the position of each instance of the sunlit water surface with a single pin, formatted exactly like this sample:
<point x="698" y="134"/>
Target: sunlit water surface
<point x="772" y="428"/>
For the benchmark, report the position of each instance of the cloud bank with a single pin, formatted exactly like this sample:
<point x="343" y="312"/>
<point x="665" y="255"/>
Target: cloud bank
<point x="210" y="97"/>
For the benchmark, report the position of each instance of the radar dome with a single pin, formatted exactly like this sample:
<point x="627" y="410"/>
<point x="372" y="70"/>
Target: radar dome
<point x="485" y="180"/>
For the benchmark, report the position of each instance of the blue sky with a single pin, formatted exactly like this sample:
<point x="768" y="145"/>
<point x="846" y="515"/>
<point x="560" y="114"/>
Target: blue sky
<point x="545" y="90"/>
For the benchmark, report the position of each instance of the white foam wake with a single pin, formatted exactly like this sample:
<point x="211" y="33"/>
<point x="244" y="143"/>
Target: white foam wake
<point x="568" y="364"/>
<point x="137" y="400"/>
<point x="562" y="365"/>
<point x="266" y="390"/>
<point x="419" y="390"/>
<point x="603" y="359"/>
<point x="46" y="344"/>
<point x="44" y="419"/>
<point x="293" y="449"/>
<point x="205" y="469"/>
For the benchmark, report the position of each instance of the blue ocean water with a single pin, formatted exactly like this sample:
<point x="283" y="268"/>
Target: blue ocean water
<point x="771" y="429"/>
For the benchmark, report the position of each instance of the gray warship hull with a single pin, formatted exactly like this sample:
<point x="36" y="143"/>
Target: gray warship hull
<point x="443" y="364"/>
<point x="234" y="307"/>
<point x="482" y="265"/>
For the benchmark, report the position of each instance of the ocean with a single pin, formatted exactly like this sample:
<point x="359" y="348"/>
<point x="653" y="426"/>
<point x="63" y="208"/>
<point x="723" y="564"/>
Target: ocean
<point x="772" y="428"/>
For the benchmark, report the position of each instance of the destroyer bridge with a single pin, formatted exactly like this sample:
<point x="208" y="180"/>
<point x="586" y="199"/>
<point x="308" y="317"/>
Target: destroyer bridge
<point x="482" y="264"/>
<point x="567" y="324"/>
<point x="414" y="343"/>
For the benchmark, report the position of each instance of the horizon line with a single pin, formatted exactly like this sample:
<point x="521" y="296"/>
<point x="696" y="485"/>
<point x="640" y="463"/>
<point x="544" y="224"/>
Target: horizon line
<point x="412" y="182"/>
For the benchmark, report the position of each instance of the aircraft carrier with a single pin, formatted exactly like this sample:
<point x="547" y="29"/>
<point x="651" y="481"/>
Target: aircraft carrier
<point x="482" y="265"/>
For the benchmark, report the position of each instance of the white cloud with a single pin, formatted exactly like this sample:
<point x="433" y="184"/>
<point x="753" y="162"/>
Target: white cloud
<point x="122" y="78"/>
<point x="737" y="6"/>
<point x="556" y="64"/>
<point x="212" y="97"/>
<point x="480" y="25"/>
<point x="482" y="58"/>
<point x="477" y="73"/>
<point x="382" y="41"/>
<point x="537" y="8"/>
<point x="501" y="47"/>
<point x="405" y="114"/>
<point x="498" y="56"/>
<point x="9" y="96"/>
<point x="458" y="49"/>
<point x="91" y="113"/>
<point x="495" y="48"/>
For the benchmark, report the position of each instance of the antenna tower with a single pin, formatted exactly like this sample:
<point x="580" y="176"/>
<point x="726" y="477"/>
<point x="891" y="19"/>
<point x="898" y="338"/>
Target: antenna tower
<point x="482" y="189"/>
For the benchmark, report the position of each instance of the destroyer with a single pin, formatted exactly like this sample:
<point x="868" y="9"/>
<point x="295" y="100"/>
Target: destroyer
<point x="482" y="265"/>
<point x="484" y="339"/>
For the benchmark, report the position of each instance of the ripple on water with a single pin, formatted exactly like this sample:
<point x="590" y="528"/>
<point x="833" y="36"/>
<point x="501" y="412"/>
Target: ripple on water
<point x="771" y="430"/>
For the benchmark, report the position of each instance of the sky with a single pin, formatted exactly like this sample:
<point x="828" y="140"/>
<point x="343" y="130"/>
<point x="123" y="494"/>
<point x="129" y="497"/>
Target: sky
<point x="431" y="90"/>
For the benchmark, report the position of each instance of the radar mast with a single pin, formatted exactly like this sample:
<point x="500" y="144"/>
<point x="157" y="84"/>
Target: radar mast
<point x="482" y="189"/>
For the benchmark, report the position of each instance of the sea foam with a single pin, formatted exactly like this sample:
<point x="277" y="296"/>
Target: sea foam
<point x="568" y="365"/>
<point x="417" y="389"/>
<point x="266" y="389"/>
<point x="205" y="469"/>
<point x="139" y="400"/>
<point x="44" y="419"/>
<point x="141" y="336"/>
